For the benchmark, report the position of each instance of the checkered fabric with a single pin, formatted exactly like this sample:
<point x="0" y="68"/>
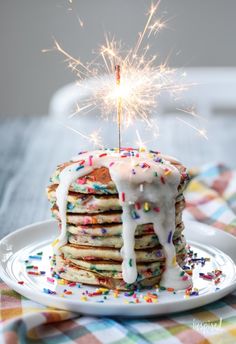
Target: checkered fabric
<point x="211" y="199"/>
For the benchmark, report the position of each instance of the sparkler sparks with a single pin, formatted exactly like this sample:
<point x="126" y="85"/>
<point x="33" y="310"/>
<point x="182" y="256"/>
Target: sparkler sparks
<point x="140" y="144"/>
<point x="81" y="23"/>
<point x="190" y="111"/>
<point x="202" y="132"/>
<point x="93" y="137"/>
<point x="144" y="78"/>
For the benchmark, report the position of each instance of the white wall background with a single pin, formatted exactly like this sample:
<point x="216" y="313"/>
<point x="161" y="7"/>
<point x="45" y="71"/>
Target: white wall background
<point x="201" y="33"/>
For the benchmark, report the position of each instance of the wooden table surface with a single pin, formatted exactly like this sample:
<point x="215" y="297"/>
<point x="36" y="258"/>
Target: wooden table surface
<point x="30" y="149"/>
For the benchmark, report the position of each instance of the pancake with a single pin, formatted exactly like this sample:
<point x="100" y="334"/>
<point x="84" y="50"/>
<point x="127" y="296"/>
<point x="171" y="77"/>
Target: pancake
<point x="143" y="272"/>
<point x="85" y="219"/>
<point x="142" y="255"/>
<point x="92" y="203"/>
<point x="110" y="229"/>
<point x="141" y="241"/>
<point x="111" y="266"/>
<point x="71" y="271"/>
<point x="98" y="218"/>
<point x="115" y="272"/>
<point x="99" y="180"/>
<point x="75" y="274"/>
<point x="86" y="203"/>
<point x="113" y="269"/>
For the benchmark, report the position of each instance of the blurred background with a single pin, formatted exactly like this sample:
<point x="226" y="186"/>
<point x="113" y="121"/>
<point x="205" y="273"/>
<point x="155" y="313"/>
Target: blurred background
<point x="199" y="34"/>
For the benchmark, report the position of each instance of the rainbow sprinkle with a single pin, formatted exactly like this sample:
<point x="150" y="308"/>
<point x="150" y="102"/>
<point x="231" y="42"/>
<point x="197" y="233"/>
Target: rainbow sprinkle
<point x="123" y="197"/>
<point x="146" y="207"/>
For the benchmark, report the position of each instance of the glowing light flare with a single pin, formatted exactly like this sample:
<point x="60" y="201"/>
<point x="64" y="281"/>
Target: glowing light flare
<point x="127" y="89"/>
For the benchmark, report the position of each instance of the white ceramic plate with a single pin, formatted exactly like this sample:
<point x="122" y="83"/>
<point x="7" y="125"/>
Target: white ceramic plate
<point x="19" y="245"/>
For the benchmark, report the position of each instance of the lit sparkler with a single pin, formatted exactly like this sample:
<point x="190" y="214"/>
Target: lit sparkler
<point x="143" y="79"/>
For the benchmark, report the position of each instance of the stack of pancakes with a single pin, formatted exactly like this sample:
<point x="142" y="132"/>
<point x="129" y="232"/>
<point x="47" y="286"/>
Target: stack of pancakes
<point x="94" y="228"/>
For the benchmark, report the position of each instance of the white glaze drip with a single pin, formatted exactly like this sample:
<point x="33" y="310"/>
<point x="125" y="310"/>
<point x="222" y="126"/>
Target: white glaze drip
<point x="154" y="185"/>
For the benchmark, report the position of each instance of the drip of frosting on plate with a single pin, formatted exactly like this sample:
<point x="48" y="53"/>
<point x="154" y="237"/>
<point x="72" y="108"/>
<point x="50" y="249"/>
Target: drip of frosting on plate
<point x="147" y="184"/>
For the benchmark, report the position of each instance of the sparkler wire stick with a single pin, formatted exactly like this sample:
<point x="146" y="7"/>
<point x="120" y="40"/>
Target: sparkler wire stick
<point x="119" y="104"/>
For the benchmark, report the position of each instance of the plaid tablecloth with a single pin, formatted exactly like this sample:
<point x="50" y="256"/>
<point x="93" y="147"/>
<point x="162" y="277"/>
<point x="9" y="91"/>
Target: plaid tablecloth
<point x="211" y="199"/>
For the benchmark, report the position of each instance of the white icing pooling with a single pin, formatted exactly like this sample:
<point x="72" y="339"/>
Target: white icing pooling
<point x="159" y="190"/>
